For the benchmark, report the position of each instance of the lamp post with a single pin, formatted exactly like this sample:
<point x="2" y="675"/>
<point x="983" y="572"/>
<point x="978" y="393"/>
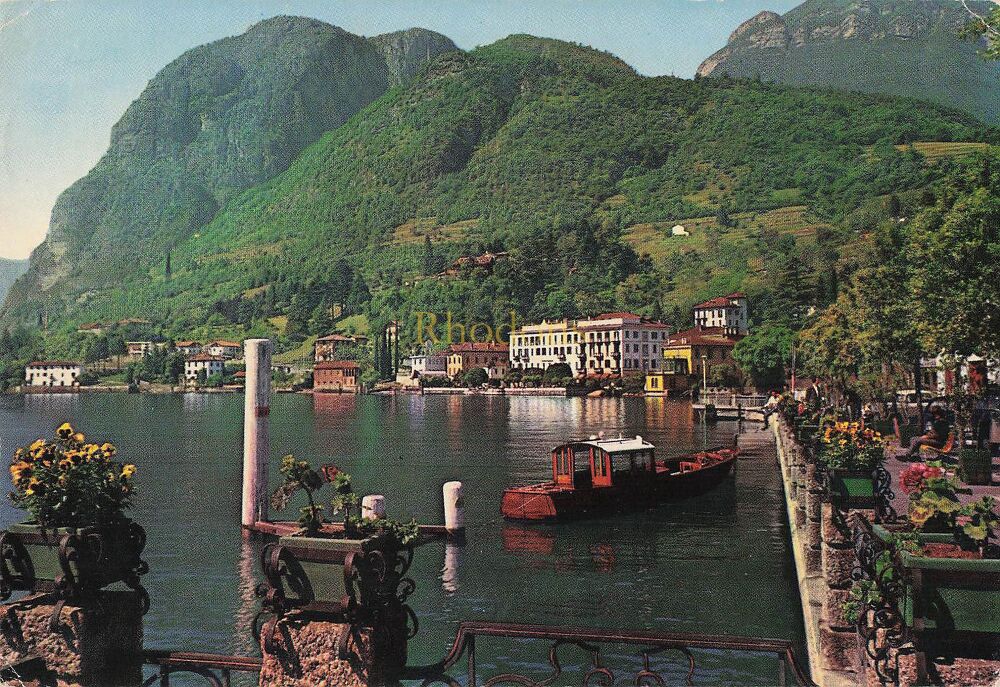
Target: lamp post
<point x="704" y="372"/>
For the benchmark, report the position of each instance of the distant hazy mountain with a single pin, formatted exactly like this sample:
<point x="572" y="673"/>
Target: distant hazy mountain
<point x="218" y="119"/>
<point x="898" y="47"/>
<point x="10" y="270"/>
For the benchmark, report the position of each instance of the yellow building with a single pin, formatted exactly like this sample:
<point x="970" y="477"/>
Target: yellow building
<point x="694" y="352"/>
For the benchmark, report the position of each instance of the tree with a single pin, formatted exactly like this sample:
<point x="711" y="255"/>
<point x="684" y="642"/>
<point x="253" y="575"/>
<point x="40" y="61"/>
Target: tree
<point x="955" y="284"/>
<point x="559" y="373"/>
<point x="763" y="355"/>
<point x="475" y="377"/>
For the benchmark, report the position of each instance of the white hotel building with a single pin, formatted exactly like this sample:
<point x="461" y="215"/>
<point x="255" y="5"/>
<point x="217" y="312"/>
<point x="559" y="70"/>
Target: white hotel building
<point x="728" y="312"/>
<point x="53" y="373"/>
<point x="612" y="343"/>
<point x="622" y="343"/>
<point x="538" y="346"/>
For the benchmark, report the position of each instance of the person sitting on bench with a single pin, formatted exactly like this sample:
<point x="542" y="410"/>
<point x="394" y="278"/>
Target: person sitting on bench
<point x="935" y="437"/>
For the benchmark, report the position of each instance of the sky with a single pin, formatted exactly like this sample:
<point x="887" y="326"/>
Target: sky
<point x="70" y="68"/>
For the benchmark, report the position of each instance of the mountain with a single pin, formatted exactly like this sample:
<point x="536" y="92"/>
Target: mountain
<point x="406" y="52"/>
<point x="898" y="47"/>
<point x="220" y="118"/>
<point x="10" y="270"/>
<point x="556" y="155"/>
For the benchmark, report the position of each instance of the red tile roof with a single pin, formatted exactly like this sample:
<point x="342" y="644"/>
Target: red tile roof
<point x="337" y="365"/>
<point x="616" y="315"/>
<point x="702" y="336"/>
<point x="226" y="344"/>
<point x="53" y="363"/>
<point x="186" y="344"/>
<point x="478" y="347"/>
<point x="335" y="337"/>
<point x="721" y="301"/>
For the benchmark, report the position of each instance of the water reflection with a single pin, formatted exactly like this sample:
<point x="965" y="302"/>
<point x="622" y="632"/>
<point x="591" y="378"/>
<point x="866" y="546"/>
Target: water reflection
<point x="684" y="566"/>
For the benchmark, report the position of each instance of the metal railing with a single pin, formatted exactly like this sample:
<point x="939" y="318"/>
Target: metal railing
<point x="596" y="671"/>
<point x="216" y="669"/>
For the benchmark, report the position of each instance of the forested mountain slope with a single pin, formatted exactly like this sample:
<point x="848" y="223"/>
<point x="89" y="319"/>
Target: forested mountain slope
<point x="560" y="155"/>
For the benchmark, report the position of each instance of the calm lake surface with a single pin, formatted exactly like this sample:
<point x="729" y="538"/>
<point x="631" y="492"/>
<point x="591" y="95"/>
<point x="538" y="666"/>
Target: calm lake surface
<point x="719" y="563"/>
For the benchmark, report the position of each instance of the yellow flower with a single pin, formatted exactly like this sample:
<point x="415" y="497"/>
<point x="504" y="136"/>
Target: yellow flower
<point x="108" y="449"/>
<point x="128" y="470"/>
<point x="38" y="444"/>
<point x="65" y="430"/>
<point x="33" y="483"/>
<point x="79" y="437"/>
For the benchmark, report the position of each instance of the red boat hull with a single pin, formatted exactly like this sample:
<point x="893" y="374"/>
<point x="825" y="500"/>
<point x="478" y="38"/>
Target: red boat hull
<point x="549" y="501"/>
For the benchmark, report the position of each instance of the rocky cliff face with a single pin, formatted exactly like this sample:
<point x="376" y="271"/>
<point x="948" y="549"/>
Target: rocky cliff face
<point x="406" y="52"/>
<point x="220" y="118"/>
<point x="898" y="47"/>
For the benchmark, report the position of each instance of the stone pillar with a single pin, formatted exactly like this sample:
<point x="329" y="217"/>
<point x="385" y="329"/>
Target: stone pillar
<point x="256" y="430"/>
<point x="308" y="651"/>
<point x="97" y="643"/>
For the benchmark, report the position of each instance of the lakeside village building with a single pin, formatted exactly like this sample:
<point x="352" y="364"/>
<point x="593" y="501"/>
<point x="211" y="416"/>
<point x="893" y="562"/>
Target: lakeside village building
<point x="210" y="364"/>
<point x="341" y="376"/>
<point x="325" y="348"/>
<point x="53" y="373"/>
<point x="608" y="344"/>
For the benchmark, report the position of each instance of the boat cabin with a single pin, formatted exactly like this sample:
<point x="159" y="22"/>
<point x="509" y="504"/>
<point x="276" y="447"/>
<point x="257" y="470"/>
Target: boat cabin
<point x="597" y="463"/>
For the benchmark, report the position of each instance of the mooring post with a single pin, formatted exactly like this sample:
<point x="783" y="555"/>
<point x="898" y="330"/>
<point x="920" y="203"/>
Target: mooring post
<point x="454" y="510"/>
<point x="256" y="434"/>
<point x="373" y="507"/>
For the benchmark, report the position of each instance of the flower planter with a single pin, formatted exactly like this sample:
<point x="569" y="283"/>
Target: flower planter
<point x="70" y="560"/>
<point x="851" y="488"/>
<point x="335" y="576"/>
<point x="339" y="580"/>
<point x="949" y="599"/>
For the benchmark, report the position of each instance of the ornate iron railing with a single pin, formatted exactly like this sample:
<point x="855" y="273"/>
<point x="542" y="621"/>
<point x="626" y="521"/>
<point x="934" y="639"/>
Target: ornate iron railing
<point x="596" y="671"/>
<point x="215" y="669"/>
<point x="881" y="630"/>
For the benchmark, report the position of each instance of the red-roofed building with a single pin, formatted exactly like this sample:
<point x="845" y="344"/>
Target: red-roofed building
<point x="692" y="353"/>
<point x="224" y="349"/>
<point x="188" y="347"/>
<point x="728" y="312"/>
<point x="210" y="364"/>
<point x="621" y="343"/>
<point x="337" y="375"/>
<point x="491" y="356"/>
<point x="325" y="348"/>
<point x="53" y="373"/>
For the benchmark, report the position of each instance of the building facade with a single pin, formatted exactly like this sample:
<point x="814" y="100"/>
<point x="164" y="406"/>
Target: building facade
<point x="691" y="354"/>
<point x="210" y="364"/>
<point x="492" y="357"/>
<point x="325" y="348"/>
<point x="53" y="373"/>
<point x="337" y="375"/>
<point x="726" y="312"/>
<point x="138" y="349"/>
<point x="539" y="346"/>
<point x="228" y="350"/>
<point x="188" y="347"/>
<point x="621" y="343"/>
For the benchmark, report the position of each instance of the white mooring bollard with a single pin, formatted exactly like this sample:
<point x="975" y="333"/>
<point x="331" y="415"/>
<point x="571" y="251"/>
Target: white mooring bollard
<point x="373" y="507"/>
<point x="454" y="509"/>
<point x="256" y="432"/>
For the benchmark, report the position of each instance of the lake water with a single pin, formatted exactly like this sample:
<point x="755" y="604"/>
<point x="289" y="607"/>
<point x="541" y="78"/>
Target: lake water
<point x="718" y="563"/>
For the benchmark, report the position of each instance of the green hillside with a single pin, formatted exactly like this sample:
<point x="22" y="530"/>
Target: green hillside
<point x="901" y="47"/>
<point x="555" y="153"/>
<point x="218" y="119"/>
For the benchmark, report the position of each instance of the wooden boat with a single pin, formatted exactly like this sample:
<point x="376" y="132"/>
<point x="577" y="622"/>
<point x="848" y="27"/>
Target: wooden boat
<point x="605" y="475"/>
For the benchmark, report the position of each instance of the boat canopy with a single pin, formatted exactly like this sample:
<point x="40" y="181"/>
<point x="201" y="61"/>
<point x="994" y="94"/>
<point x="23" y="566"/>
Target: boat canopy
<point x="612" y="446"/>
